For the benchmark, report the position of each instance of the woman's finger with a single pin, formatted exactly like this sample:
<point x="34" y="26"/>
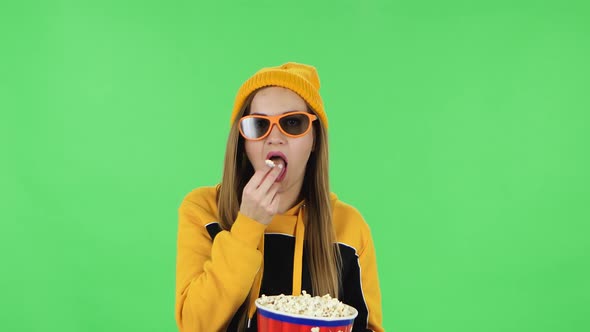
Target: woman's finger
<point x="274" y="204"/>
<point x="270" y="179"/>
<point x="257" y="178"/>
<point x="270" y="194"/>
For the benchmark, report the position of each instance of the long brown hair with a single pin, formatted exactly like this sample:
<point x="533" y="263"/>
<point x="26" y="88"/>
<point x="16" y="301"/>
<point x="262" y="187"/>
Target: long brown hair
<point x="322" y="250"/>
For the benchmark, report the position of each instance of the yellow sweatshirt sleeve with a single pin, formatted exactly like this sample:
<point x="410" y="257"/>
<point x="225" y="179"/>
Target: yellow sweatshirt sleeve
<point x="213" y="278"/>
<point x="370" y="284"/>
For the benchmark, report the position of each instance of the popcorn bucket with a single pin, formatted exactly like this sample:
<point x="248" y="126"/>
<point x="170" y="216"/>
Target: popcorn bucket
<point x="270" y="320"/>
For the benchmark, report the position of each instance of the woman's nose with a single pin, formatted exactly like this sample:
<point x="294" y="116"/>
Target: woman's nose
<point x="275" y="136"/>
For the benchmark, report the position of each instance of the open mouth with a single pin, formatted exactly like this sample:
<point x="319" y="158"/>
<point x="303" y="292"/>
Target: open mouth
<point x="279" y="158"/>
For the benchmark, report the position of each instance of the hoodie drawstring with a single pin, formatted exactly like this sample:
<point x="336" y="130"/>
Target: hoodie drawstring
<point x="298" y="255"/>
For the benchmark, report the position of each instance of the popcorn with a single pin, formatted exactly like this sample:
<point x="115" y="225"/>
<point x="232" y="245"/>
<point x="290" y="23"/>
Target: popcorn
<point x="306" y="305"/>
<point x="269" y="163"/>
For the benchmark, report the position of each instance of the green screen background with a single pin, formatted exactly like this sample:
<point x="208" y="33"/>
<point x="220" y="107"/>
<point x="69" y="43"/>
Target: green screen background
<point x="459" y="129"/>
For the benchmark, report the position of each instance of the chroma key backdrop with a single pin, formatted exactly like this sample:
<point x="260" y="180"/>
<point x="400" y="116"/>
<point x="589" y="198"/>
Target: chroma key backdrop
<point x="459" y="129"/>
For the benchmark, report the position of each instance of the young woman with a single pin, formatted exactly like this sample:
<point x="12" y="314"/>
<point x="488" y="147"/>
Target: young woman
<point x="272" y="228"/>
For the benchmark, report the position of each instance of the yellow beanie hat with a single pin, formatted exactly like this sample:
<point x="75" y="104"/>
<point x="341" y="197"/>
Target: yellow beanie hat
<point x="300" y="78"/>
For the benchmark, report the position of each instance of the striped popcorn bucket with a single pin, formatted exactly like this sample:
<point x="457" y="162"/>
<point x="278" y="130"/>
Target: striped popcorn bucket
<point x="270" y="320"/>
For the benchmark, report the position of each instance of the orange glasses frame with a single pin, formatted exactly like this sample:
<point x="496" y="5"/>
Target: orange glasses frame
<point x="274" y="120"/>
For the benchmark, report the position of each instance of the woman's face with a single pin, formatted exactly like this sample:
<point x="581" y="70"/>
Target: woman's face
<point x="276" y="101"/>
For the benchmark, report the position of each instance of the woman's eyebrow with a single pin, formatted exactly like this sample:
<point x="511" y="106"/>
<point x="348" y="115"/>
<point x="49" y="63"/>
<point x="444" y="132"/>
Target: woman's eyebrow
<point x="281" y="113"/>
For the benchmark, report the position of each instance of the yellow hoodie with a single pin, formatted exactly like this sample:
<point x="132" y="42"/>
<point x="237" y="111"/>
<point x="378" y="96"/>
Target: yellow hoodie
<point x="216" y="269"/>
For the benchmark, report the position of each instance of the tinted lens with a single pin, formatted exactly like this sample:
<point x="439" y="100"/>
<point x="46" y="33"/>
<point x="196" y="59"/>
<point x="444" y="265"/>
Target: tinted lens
<point x="295" y="124"/>
<point x="254" y="127"/>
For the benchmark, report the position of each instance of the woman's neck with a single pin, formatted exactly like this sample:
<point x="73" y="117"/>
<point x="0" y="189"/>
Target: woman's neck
<point x="290" y="197"/>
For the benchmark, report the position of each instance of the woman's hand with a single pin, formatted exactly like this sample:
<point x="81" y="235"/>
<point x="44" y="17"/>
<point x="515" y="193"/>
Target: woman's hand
<point x="260" y="200"/>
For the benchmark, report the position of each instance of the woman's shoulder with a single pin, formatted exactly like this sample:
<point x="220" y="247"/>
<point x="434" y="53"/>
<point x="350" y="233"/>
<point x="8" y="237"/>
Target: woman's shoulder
<point x="349" y="224"/>
<point x="346" y="213"/>
<point x="202" y="193"/>
<point x="201" y="200"/>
